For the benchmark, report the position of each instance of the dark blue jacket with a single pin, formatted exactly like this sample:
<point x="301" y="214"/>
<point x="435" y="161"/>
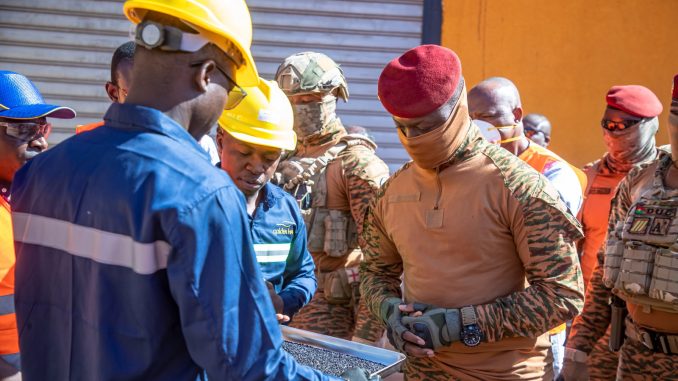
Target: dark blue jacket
<point x="134" y="262"/>
<point x="279" y="237"/>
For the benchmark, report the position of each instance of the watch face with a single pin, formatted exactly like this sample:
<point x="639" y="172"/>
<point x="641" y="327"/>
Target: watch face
<point x="471" y="335"/>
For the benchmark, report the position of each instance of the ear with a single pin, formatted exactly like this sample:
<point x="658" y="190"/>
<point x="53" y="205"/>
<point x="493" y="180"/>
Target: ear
<point x="202" y="75"/>
<point x="518" y="114"/>
<point x="112" y="91"/>
<point x="220" y="140"/>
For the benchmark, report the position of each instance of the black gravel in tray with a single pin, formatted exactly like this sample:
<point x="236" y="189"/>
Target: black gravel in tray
<point x="329" y="362"/>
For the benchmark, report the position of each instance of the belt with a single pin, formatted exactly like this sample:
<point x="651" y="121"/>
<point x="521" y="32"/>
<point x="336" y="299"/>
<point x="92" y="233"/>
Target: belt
<point x="657" y="342"/>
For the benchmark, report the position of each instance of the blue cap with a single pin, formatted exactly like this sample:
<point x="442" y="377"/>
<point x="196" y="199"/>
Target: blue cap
<point x="20" y="99"/>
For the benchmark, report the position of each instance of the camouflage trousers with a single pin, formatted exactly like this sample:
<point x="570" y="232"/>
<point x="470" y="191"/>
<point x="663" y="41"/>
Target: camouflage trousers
<point x="423" y="369"/>
<point x="602" y="362"/>
<point x="336" y="320"/>
<point x="637" y="363"/>
<point x="426" y="369"/>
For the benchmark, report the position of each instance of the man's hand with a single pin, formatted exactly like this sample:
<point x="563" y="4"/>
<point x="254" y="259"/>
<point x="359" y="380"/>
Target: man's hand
<point x="358" y="374"/>
<point x="439" y="327"/>
<point x="278" y="304"/>
<point x="399" y="336"/>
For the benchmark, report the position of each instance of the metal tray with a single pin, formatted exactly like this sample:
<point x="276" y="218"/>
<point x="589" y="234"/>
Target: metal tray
<point x="390" y="359"/>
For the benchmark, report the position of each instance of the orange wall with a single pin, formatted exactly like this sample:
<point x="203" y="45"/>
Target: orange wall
<point x="564" y="55"/>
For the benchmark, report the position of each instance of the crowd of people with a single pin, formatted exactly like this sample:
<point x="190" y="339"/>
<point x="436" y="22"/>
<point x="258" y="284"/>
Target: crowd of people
<point x="139" y="249"/>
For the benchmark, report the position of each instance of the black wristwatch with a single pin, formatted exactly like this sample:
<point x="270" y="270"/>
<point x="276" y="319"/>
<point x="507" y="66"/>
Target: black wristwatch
<point x="471" y="335"/>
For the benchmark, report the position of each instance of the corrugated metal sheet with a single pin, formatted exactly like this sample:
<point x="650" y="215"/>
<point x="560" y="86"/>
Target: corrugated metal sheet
<point x="65" y="47"/>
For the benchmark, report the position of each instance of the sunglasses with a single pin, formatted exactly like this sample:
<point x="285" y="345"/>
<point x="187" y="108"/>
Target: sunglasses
<point x="611" y="125"/>
<point x="27" y="131"/>
<point x="235" y="95"/>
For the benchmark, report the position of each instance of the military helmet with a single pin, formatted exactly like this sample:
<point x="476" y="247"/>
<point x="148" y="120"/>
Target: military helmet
<point x="311" y="72"/>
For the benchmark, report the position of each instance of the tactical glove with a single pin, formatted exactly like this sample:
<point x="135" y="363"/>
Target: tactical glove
<point x="358" y="374"/>
<point x="438" y="327"/>
<point x="391" y="316"/>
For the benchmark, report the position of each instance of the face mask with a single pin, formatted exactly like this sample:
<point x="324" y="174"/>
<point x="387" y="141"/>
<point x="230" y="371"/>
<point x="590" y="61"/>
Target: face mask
<point x="631" y="146"/>
<point x="491" y="133"/>
<point x="314" y="118"/>
<point x="437" y="147"/>
<point x="488" y="131"/>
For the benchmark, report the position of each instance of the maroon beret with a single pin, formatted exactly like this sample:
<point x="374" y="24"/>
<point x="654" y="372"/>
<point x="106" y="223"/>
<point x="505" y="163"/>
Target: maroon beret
<point x="634" y="99"/>
<point x="419" y="81"/>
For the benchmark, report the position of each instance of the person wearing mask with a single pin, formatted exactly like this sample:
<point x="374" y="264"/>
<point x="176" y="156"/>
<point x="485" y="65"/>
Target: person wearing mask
<point x="251" y="140"/>
<point x="485" y="245"/>
<point x="333" y="176"/>
<point x="23" y="135"/>
<point x="134" y="259"/>
<point x="629" y="125"/>
<point x="497" y="101"/>
<point x="538" y="129"/>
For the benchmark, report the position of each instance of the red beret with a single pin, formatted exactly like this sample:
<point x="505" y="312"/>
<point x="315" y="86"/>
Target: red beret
<point x="636" y="100"/>
<point x="419" y="81"/>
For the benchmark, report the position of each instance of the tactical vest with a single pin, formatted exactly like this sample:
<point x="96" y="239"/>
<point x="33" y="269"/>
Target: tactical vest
<point x="641" y="257"/>
<point x="333" y="232"/>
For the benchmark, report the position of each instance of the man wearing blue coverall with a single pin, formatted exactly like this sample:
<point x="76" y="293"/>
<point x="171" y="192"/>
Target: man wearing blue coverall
<point x="251" y="139"/>
<point x="133" y="257"/>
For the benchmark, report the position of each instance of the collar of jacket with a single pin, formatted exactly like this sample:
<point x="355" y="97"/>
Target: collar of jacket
<point x="135" y="118"/>
<point x="272" y="194"/>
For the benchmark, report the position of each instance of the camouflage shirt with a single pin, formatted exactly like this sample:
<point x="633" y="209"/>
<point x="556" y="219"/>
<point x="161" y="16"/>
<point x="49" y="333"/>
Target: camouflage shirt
<point x="503" y="242"/>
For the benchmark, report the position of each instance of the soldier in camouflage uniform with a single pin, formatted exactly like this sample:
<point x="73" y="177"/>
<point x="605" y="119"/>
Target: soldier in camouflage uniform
<point x="634" y="286"/>
<point x="626" y="148"/>
<point x="333" y="175"/>
<point x="484" y="243"/>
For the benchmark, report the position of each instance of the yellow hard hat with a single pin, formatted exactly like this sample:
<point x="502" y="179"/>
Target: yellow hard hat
<point x="263" y="118"/>
<point x="225" y="23"/>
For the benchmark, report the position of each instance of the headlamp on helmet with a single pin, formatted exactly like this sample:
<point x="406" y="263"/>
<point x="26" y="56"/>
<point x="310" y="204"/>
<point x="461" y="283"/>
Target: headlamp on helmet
<point x="152" y="35"/>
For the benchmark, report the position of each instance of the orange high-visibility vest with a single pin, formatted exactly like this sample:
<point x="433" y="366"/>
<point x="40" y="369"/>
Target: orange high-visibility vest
<point x="594" y="215"/>
<point x="9" y="336"/>
<point x="88" y="127"/>
<point x="538" y="157"/>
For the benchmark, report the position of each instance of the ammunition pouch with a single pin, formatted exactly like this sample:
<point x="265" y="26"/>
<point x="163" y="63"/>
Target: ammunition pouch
<point x="614" y="251"/>
<point x="664" y="285"/>
<point x="635" y="272"/>
<point x="341" y="235"/>
<point x="642" y="266"/>
<point x="316" y="229"/>
<point x="340" y="286"/>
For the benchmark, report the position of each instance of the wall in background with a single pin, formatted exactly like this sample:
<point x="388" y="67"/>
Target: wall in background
<point x="565" y="55"/>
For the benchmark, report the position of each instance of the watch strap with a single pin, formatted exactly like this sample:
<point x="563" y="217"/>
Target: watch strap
<point x="468" y="316"/>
